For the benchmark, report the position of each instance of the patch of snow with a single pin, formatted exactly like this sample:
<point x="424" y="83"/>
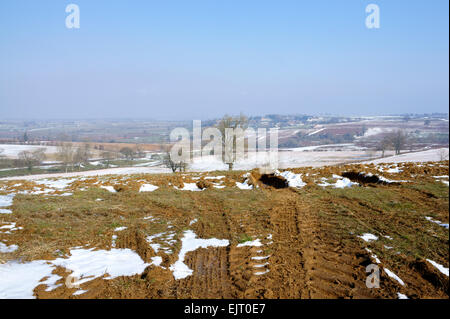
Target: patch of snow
<point x="394" y="276"/>
<point x="79" y="292"/>
<point x="373" y="256"/>
<point x="324" y="183"/>
<point x="59" y="184"/>
<point x="88" y="264"/>
<point x="157" y="260"/>
<point x="343" y="183"/>
<point x="244" y="185"/>
<point x="394" y="170"/>
<point x="189" y="243"/>
<point x="109" y="189"/>
<point x="383" y="179"/>
<point x="11" y="226"/>
<point x="189" y="187"/>
<point x="6" y="200"/>
<point x="114" y="238"/>
<point x="51" y="282"/>
<point x="63" y="194"/>
<point x="439" y="267"/>
<point x="37" y="191"/>
<point x="254" y="243"/>
<point x="148" y="188"/>
<point x="260" y="257"/>
<point x="17" y="281"/>
<point x="155" y="247"/>
<point x="437" y="222"/>
<point x="315" y="132"/>
<point x="7" y="249"/>
<point x="402" y="296"/>
<point x="293" y="180"/>
<point x="167" y="236"/>
<point x="368" y="237"/>
<point x="120" y="228"/>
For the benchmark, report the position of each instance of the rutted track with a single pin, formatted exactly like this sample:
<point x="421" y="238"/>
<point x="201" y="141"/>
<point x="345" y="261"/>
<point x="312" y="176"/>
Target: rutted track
<point x="304" y="266"/>
<point x="284" y="243"/>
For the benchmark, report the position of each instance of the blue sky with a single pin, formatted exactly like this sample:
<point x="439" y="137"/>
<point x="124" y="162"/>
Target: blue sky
<point x="204" y="58"/>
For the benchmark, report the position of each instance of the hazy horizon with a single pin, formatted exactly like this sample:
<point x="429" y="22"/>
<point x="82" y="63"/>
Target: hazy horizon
<point x="203" y="59"/>
<point x="144" y="118"/>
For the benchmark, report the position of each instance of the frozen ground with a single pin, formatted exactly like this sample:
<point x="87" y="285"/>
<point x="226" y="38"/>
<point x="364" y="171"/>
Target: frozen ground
<point x="100" y="172"/>
<point x="13" y="151"/>
<point x="424" y="156"/>
<point x="189" y="243"/>
<point x="17" y="280"/>
<point x="314" y="156"/>
<point x="87" y="264"/>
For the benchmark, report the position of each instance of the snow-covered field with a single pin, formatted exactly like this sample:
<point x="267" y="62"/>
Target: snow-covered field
<point x="424" y="156"/>
<point x="12" y="151"/>
<point x="100" y="172"/>
<point x="313" y="156"/>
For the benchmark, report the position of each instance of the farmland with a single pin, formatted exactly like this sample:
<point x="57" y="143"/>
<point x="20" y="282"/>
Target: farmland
<point x="238" y="234"/>
<point x="116" y="225"/>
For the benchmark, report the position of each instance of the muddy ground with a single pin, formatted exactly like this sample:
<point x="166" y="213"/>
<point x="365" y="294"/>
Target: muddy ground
<point x="309" y="235"/>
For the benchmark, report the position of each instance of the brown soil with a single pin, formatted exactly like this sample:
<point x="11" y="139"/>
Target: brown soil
<point x="309" y="235"/>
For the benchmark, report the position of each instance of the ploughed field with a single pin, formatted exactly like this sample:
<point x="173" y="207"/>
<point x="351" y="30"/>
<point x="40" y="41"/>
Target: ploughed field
<point x="299" y="233"/>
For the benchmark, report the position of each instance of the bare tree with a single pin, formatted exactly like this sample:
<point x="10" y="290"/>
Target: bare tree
<point x="26" y="159"/>
<point x="231" y="122"/>
<point x="108" y="157"/>
<point x="384" y="144"/>
<point x="139" y="152"/>
<point x="82" y="155"/>
<point x="398" y="140"/>
<point x="3" y="160"/>
<point x="32" y="158"/>
<point x="363" y="130"/>
<point x="39" y="155"/>
<point x="170" y="163"/>
<point x="443" y="154"/>
<point x="127" y="152"/>
<point x="86" y="152"/>
<point x="66" y="154"/>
